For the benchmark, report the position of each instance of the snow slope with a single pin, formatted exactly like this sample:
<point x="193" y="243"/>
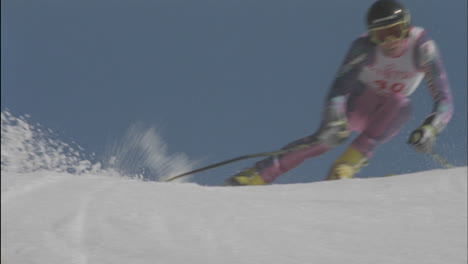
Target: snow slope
<point x="97" y="216"/>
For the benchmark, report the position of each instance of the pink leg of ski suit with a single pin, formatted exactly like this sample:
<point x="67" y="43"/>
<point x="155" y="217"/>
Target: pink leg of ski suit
<point x="376" y="118"/>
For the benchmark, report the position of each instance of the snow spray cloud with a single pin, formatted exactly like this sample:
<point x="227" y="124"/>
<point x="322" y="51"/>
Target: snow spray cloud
<point x="31" y="148"/>
<point x="142" y="153"/>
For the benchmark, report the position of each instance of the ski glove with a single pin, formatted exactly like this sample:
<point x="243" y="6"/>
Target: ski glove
<point x="335" y="128"/>
<point x="423" y="139"/>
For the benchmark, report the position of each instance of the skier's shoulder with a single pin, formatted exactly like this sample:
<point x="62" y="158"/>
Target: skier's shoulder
<point x="424" y="46"/>
<point x="361" y="50"/>
<point x="417" y="32"/>
<point x="362" y="45"/>
<point x="358" y="54"/>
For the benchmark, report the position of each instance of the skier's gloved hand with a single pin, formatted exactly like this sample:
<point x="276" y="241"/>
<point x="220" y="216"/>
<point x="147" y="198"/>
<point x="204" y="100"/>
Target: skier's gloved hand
<point x="334" y="129"/>
<point x="423" y="139"/>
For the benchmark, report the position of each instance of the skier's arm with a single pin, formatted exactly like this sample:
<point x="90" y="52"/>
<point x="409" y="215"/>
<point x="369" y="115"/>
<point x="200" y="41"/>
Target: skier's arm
<point x="334" y="127"/>
<point x="347" y="77"/>
<point x="429" y="60"/>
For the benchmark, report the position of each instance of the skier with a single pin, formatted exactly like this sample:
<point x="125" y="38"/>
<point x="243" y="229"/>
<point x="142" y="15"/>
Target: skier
<point x="369" y="95"/>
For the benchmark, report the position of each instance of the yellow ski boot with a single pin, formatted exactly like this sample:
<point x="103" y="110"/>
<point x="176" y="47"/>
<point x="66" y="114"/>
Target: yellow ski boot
<point x="349" y="163"/>
<point x="247" y="177"/>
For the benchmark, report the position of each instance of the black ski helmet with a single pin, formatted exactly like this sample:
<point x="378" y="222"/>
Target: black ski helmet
<point x="386" y="12"/>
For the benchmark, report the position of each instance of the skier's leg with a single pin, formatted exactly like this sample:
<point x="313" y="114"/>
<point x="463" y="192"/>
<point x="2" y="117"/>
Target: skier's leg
<point x="267" y="170"/>
<point x="273" y="167"/>
<point x="382" y="125"/>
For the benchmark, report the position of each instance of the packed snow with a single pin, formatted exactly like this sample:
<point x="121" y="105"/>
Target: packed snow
<point x="58" y="207"/>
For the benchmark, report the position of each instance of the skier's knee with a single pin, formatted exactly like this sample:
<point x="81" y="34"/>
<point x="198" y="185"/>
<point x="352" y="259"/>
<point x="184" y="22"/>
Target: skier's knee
<point x="333" y="136"/>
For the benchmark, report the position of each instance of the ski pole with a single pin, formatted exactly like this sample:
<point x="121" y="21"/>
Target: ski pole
<point x="250" y="156"/>
<point x="415" y="139"/>
<point x="441" y="160"/>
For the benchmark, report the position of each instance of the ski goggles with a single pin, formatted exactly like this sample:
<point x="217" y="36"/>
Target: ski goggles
<point x="389" y="33"/>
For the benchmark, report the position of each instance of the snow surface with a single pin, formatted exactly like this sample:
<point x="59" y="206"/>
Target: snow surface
<point x="58" y="208"/>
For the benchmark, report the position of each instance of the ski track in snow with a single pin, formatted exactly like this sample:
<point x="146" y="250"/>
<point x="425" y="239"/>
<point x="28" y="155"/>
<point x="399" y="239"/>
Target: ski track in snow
<point x="63" y="218"/>
<point x="52" y="213"/>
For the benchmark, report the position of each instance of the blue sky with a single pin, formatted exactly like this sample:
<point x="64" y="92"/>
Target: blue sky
<point x="218" y="78"/>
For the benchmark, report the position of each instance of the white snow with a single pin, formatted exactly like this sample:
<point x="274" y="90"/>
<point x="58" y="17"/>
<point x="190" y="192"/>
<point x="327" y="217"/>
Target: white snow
<point x="99" y="216"/>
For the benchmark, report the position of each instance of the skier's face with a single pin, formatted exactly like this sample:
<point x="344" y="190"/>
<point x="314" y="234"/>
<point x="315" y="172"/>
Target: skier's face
<point x="393" y="48"/>
<point x="391" y="38"/>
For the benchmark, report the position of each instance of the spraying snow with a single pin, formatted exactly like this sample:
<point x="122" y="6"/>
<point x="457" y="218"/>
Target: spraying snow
<point x="58" y="207"/>
<point x="142" y="152"/>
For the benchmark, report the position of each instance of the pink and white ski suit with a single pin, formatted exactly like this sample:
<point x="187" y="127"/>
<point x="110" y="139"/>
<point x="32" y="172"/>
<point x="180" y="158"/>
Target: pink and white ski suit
<point x="372" y="91"/>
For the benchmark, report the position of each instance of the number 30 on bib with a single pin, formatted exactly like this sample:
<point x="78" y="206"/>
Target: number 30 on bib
<point x="389" y="86"/>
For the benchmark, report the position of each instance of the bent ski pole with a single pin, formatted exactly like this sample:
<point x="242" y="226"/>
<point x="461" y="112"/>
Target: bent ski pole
<point x="441" y="160"/>
<point x="263" y="154"/>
